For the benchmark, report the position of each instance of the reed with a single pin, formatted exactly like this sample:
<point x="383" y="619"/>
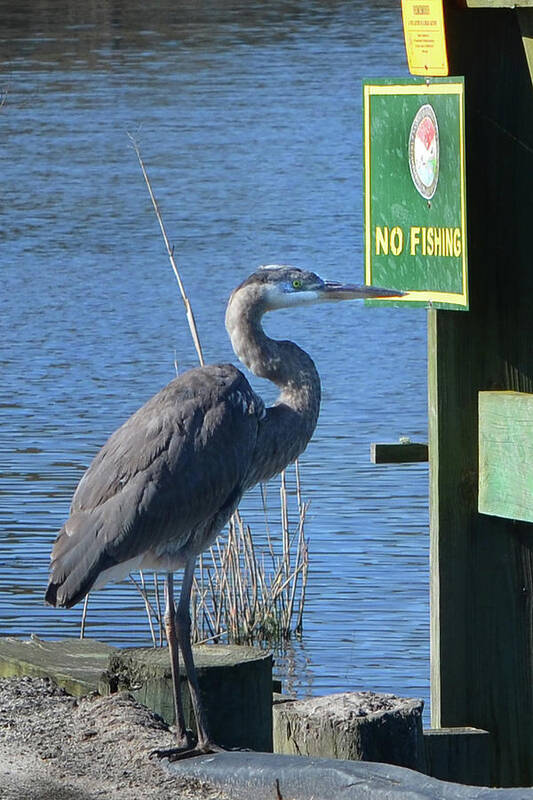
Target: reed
<point x="244" y="596"/>
<point x="239" y="595"/>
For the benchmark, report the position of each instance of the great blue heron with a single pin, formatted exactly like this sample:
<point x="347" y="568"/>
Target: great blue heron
<point x="165" y="483"/>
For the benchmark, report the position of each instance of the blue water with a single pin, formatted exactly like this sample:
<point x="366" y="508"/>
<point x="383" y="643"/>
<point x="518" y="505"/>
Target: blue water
<point x="249" y="119"/>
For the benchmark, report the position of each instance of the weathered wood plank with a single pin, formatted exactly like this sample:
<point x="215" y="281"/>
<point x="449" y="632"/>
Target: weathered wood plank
<point x="459" y="755"/>
<point x="78" y="665"/>
<point x="506" y="454"/>
<point x="482" y="566"/>
<point x="398" y="453"/>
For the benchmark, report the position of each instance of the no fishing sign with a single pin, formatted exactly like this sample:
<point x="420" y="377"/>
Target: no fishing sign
<point x="415" y="203"/>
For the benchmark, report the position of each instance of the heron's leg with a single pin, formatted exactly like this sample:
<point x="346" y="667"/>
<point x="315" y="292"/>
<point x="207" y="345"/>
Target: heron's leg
<point x="170" y="627"/>
<point x="183" y="630"/>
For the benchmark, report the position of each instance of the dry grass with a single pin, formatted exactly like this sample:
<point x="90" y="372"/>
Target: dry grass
<point x="249" y="597"/>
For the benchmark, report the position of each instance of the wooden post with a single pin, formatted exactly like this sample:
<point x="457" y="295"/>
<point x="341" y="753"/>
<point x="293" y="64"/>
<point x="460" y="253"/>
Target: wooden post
<point x="398" y="453"/>
<point x="358" y="726"/>
<point x="458" y="755"/>
<point x="482" y="566"/>
<point x="235" y="684"/>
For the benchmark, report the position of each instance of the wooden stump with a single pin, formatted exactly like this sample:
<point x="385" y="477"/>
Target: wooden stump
<point x="235" y="684"/>
<point x="358" y="726"/>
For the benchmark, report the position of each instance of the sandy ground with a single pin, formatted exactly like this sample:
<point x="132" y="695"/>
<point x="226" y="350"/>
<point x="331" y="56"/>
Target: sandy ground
<point x="56" y="747"/>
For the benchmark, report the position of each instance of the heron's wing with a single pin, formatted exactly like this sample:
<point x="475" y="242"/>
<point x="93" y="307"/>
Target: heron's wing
<point x="171" y="467"/>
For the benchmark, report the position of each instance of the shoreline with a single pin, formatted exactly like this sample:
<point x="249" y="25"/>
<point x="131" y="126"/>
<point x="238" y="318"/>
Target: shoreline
<point x="57" y="747"/>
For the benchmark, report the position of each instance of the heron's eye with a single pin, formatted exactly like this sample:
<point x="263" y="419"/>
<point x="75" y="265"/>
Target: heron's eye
<point x="297" y="284"/>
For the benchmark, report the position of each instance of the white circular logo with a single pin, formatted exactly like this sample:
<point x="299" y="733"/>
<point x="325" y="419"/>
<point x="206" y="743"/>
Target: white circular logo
<point x="424" y="151"/>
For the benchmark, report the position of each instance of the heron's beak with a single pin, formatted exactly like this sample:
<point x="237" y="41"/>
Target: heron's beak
<point x="345" y="291"/>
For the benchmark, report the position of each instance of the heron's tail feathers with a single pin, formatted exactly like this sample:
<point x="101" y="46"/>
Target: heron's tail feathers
<point x="79" y="556"/>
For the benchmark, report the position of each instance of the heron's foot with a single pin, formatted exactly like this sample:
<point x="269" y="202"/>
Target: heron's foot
<point x="184" y="743"/>
<point x="180" y="753"/>
<point x="206" y="749"/>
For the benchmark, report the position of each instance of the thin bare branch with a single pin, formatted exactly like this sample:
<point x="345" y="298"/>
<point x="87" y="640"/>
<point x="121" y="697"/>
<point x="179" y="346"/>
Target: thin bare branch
<point x="170" y="251"/>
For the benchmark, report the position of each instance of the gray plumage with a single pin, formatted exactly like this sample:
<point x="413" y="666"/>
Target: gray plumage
<point x="163" y="485"/>
<point x="167" y="481"/>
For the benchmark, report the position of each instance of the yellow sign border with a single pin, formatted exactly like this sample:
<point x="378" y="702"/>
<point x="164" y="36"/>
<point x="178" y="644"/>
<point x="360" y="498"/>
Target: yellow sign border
<point x="450" y="87"/>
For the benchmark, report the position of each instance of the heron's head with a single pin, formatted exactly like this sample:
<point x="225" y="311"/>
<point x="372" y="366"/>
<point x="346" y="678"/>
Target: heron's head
<point x="272" y="287"/>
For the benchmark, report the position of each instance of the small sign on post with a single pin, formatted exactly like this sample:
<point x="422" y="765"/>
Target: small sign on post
<point x="415" y="203"/>
<point x="425" y="37"/>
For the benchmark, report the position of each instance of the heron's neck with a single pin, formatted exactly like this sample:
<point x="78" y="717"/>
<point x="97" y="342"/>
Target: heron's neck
<point x="282" y="362"/>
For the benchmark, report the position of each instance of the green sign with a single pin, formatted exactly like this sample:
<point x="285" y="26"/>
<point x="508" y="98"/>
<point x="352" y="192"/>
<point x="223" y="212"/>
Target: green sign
<point x="415" y="204"/>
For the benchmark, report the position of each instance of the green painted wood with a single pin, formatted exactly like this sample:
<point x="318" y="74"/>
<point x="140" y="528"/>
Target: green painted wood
<point x="482" y="566"/>
<point x="77" y="665"/>
<point x="458" y="755"/>
<point x="506" y="454"/>
<point x="421" y="249"/>
<point x="398" y="453"/>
